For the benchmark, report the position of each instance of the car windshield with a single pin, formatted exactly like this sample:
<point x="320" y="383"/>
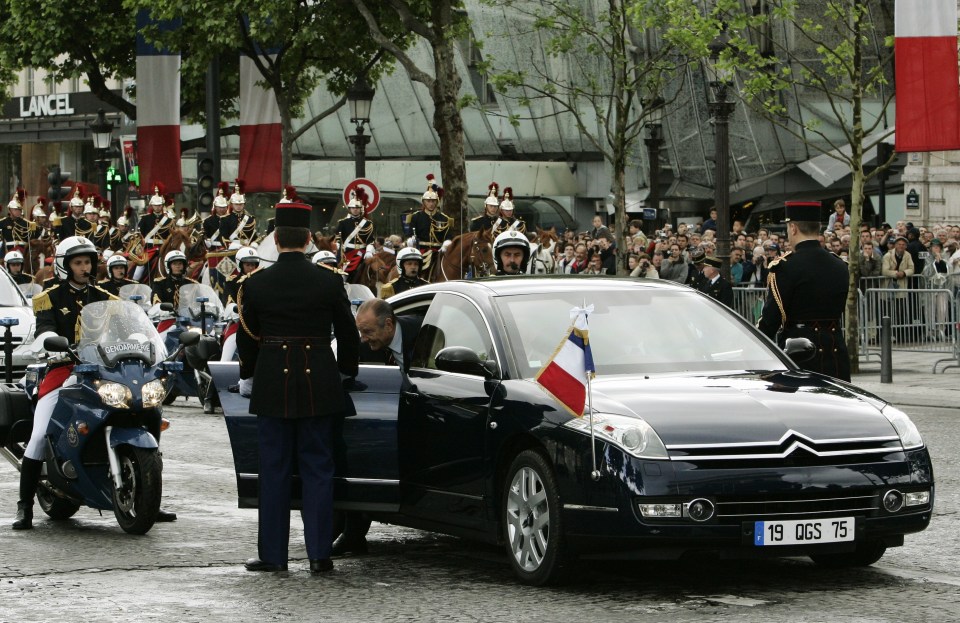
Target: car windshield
<point x="137" y="289"/>
<point x="190" y="306"/>
<point x="645" y="331"/>
<point x="112" y="330"/>
<point x="10" y="295"/>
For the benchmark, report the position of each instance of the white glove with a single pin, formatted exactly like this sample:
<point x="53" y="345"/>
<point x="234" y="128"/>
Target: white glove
<point x="446" y="245"/>
<point x="246" y="387"/>
<point x="412" y="241"/>
<point x="154" y="312"/>
<point x="37" y="344"/>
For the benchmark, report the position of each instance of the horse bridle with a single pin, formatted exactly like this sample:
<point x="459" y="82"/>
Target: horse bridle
<point x="482" y="269"/>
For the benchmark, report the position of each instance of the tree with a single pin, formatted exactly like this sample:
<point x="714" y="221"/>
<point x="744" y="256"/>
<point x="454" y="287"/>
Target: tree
<point x="438" y="24"/>
<point x="617" y="60"/>
<point x="295" y="44"/>
<point x="840" y="64"/>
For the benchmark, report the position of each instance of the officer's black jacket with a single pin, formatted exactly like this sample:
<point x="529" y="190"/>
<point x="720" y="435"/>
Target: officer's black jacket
<point x="113" y="285"/>
<point x="167" y="289"/>
<point x="21" y="278"/>
<point x="58" y="308"/>
<point x="286" y="314"/>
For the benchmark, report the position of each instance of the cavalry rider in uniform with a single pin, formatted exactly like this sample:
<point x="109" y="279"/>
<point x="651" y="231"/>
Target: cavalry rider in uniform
<point x="167" y="289"/>
<point x="68" y="224"/>
<point x="13" y="260"/>
<point x="16" y="230"/>
<point x="432" y="229"/>
<point x="511" y="253"/>
<point x="88" y="224"/>
<point x="103" y="228"/>
<point x="491" y="209"/>
<point x="239" y="225"/>
<point x="213" y="233"/>
<point x="409" y="261"/>
<point x="354" y="233"/>
<point x="289" y="195"/>
<point x="116" y="275"/>
<point x="155" y="225"/>
<point x="506" y="220"/>
<point x="43" y="229"/>
<point x="132" y="245"/>
<point x="807" y="294"/>
<point x="248" y="262"/>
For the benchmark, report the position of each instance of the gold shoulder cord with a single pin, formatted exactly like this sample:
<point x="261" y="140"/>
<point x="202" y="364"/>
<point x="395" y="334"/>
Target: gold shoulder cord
<point x="772" y="284"/>
<point x="243" y="323"/>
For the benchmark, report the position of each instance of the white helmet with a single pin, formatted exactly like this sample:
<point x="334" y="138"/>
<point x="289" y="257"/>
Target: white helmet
<point x="116" y="260"/>
<point x="247" y="254"/>
<point x="174" y="256"/>
<point x="123" y="221"/>
<point x="70" y="248"/>
<point x="432" y="187"/>
<point x="13" y="256"/>
<point x="89" y="208"/>
<point x="38" y="212"/>
<point x="408" y="253"/>
<point x="325" y="257"/>
<point x="511" y="238"/>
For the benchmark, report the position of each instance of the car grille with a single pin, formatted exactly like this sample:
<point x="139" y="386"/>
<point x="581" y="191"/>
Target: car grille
<point x="736" y="509"/>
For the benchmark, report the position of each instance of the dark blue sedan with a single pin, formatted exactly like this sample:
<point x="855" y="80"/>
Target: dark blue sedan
<point x="708" y="439"/>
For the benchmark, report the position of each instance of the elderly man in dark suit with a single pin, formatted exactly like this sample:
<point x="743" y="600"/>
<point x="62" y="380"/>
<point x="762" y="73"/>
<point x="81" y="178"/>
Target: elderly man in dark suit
<point x="387" y="339"/>
<point x="296" y="386"/>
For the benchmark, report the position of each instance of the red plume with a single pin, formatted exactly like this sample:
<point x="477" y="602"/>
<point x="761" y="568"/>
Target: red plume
<point x="493" y="189"/>
<point x="440" y="193"/>
<point x="239" y="183"/>
<point x="78" y="192"/>
<point x="508" y="193"/>
<point x="362" y="196"/>
<point x="160" y="189"/>
<point x="42" y="201"/>
<point x="290" y="192"/>
<point x="223" y="188"/>
<point x="21" y="195"/>
<point x="106" y="204"/>
<point x="430" y="178"/>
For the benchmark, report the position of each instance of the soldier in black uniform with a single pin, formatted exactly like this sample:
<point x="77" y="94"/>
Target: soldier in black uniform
<point x="68" y="224"/>
<point x="432" y="229"/>
<point x="506" y="220"/>
<point x="289" y="196"/>
<point x="354" y="233"/>
<point x="294" y="382"/>
<point x="116" y="275"/>
<point x="808" y="293"/>
<point x="16" y="230"/>
<point x="491" y="209"/>
<point x="239" y="225"/>
<point x="248" y="261"/>
<point x="714" y="284"/>
<point x="409" y="262"/>
<point x="212" y="231"/>
<point x="695" y="268"/>
<point x="167" y="289"/>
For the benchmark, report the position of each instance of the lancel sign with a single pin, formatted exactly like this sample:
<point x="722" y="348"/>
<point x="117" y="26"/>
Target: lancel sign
<point x="52" y="105"/>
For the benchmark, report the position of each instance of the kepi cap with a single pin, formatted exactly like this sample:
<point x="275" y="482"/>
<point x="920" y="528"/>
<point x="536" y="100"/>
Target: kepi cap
<point x="802" y="211"/>
<point x="293" y="214"/>
<point x="712" y="261"/>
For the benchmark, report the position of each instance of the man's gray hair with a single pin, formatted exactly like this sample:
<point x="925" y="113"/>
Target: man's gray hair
<point x="380" y="309"/>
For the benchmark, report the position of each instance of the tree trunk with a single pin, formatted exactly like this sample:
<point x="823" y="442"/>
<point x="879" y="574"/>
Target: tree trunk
<point x="620" y="206"/>
<point x="286" y="141"/>
<point x="851" y="327"/>
<point x="449" y="126"/>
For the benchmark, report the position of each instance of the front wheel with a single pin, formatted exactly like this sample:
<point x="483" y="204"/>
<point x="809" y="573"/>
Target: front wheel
<point x="54" y="506"/>
<point x="137" y="501"/>
<point x="530" y="509"/>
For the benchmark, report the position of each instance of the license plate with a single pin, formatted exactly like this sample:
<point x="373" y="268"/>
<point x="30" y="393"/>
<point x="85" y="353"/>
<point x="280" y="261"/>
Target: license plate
<point x="803" y="531"/>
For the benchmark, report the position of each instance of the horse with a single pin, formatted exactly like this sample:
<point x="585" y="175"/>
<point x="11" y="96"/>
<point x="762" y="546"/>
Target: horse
<point x="469" y="252"/>
<point x="542" y="257"/>
<point x="378" y="270"/>
<point x="40" y="249"/>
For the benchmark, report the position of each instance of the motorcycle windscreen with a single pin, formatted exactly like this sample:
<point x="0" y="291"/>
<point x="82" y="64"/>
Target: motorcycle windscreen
<point x="365" y="446"/>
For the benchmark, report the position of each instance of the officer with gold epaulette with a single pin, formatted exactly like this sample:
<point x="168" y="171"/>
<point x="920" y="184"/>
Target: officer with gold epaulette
<point x="409" y="261"/>
<point x="67" y="225"/>
<point x="808" y="293"/>
<point x="15" y="229"/>
<point x="506" y="220"/>
<point x="239" y="225"/>
<point x="354" y="233"/>
<point x="116" y="275"/>
<point x="491" y="210"/>
<point x="167" y="289"/>
<point x="432" y="229"/>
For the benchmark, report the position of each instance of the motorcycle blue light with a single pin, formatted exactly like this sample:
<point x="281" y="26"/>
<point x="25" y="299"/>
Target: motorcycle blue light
<point x="171" y="366"/>
<point x="86" y="368"/>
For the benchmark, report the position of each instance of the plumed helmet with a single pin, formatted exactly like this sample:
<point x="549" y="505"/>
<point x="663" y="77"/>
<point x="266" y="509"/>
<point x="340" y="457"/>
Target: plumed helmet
<point x="358" y="198"/>
<point x="237" y="196"/>
<point x="408" y="253"/>
<point x="16" y="203"/>
<point x="38" y="210"/>
<point x="158" y="192"/>
<point x="116" y="260"/>
<point x="220" y="201"/>
<point x="247" y="254"/>
<point x="493" y="193"/>
<point x="174" y="256"/>
<point x="511" y="238"/>
<point x="325" y="257"/>
<point x="432" y="189"/>
<point x="13" y="257"/>
<point x="507" y="202"/>
<point x="77" y="200"/>
<point x="72" y="247"/>
<point x="289" y="194"/>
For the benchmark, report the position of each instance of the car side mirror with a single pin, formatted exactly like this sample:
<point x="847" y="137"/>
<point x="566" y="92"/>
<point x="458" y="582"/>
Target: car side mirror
<point x="189" y="338"/>
<point x="56" y="344"/>
<point x="799" y="349"/>
<point x="463" y="360"/>
<point x="167" y="307"/>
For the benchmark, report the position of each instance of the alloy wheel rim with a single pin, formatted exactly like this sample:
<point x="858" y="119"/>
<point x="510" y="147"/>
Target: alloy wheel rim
<point x="126" y="497"/>
<point x="528" y="519"/>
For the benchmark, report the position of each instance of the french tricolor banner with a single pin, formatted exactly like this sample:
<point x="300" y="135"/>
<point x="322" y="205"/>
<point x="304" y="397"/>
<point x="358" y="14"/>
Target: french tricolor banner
<point x="260" y="134"/>
<point x="928" y="88"/>
<point x="158" y="109"/>
<point x="567" y="374"/>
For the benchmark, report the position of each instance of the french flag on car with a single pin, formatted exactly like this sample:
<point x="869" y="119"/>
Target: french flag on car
<point x="566" y="376"/>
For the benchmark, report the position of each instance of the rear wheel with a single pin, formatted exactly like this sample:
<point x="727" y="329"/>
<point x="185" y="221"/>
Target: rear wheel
<point x="171" y="396"/>
<point x="54" y="506"/>
<point x="137" y="502"/>
<point x="530" y="510"/>
<point x="865" y="555"/>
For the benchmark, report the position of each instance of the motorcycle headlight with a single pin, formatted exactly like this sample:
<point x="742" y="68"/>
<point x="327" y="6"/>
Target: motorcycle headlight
<point x="909" y="434"/>
<point x="115" y="395"/>
<point x="153" y="393"/>
<point x="632" y="435"/>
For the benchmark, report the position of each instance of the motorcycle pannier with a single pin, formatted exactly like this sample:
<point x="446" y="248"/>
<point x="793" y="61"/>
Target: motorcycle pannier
<point x="14" y="406"/>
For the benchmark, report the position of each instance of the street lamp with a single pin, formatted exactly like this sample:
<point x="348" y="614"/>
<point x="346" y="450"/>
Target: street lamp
<point x="101" y="129"/>
<point x="654" y="140"/>
<point x="719" y="79"/>
<point x="360" y="97"/>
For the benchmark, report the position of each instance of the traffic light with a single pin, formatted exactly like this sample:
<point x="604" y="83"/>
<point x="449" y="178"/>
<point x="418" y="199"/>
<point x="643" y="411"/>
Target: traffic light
<point x="114" y="178"/>
<point x="206" y="182"/>
<point x="57" y="192"/>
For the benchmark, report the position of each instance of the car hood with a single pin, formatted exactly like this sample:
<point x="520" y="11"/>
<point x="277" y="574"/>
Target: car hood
<point x="742" y="408"/>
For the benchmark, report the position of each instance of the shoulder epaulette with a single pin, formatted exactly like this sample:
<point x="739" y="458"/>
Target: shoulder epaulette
<point x="42" y="302"/>
<point x="156" y="279"/>
<point x="781" y="258"/>
<point x="110" y="296"/>
<point x="477" y="218"/>
<point x="328" y="267"/>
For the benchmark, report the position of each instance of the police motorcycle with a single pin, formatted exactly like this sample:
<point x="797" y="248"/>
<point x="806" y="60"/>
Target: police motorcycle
<point x="102" y="447"/>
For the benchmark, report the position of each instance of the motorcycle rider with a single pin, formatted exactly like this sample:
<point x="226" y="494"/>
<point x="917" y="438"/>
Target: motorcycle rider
<point x="248" y="261"/>
<point x="13" y="260"/>
<point x="58" y="313"/>
<point x="409" y="261"/>
<point x="167" y="289"/>
<point x="116" y="275"/>
<point x="511" y="253"/>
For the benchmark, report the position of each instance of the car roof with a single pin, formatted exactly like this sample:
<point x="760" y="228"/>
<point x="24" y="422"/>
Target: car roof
<point x="527" y="284"/>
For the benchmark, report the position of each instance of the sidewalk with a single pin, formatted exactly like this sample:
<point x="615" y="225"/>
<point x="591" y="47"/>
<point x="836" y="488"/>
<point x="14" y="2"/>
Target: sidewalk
<point x="913" y="380"/>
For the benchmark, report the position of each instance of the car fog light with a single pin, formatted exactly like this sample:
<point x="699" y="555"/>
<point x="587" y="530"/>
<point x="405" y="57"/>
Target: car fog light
<point x="700" y="510"/>
<point x="892" y="501"/>
<point x="917" y="498"/>
<point x="660" y="510"/>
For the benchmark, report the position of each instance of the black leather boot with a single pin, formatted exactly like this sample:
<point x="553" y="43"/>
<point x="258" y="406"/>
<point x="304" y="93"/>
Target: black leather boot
<point x="29" y="480"/>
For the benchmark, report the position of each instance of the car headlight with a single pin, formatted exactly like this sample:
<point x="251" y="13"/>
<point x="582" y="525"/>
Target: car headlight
<point x="153" y="393"/>
<point x="114" y="395"/>
<point x="909" y="434"/>
<point x="632" y="435"/>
